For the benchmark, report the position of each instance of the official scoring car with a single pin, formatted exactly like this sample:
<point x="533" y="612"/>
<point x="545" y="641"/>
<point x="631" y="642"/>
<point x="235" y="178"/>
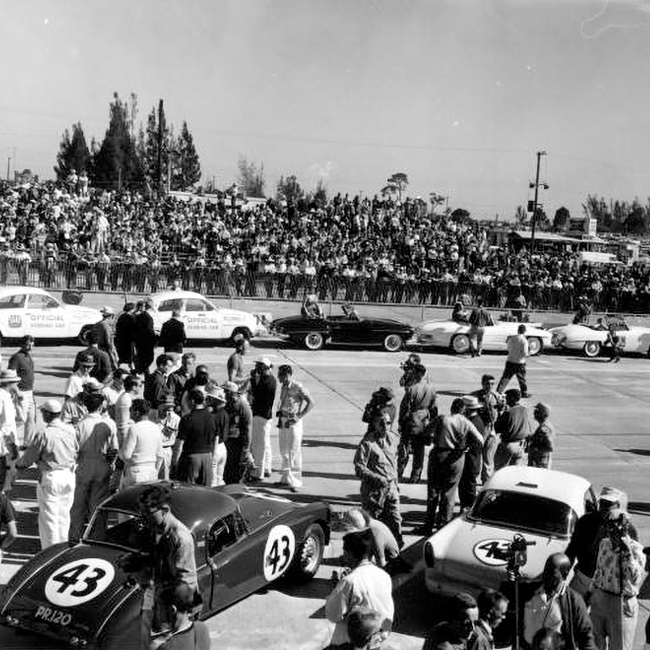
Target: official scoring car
<point x="590" y="339"/>
<point x="29" y="310"/>
<point x="455" y="336"/>
<point x="315" y="333"/>
<point x="244" y="539"/>
<point x="203" y="320"/>
<point x="471" y="552"/>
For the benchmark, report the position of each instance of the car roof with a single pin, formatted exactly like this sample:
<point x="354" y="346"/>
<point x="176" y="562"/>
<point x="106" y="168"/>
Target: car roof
<point x="177" y="295"/>
<point x="548" y="483"/>
<point x="196" y="506"/>
<point x="8" y="291"/>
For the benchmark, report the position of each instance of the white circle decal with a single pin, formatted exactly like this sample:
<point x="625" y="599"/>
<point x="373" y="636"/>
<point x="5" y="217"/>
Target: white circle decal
<point x="278" y="552"/>
<point x="493" y="551"/>
<point x="79" y="581"/>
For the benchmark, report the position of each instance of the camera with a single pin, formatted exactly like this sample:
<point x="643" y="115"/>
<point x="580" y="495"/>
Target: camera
<point x="517" y="555"/>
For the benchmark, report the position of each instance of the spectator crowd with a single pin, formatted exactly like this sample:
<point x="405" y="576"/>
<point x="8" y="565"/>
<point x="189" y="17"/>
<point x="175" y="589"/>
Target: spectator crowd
<point x="349" y="248"/>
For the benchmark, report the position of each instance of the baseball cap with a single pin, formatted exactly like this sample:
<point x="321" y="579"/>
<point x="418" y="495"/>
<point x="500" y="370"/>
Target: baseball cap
<point x="51" y="406"/>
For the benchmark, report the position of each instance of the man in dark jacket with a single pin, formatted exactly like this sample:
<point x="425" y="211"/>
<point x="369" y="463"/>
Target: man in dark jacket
<point x="262" y="389"/>
<point x="172" y="337"/>
<point x="145" y="338"/>
<point x="513" y="426"/>
<point x="124" y="335"/>
<point x="102" y="368"/>
<point x="557" y="607"/>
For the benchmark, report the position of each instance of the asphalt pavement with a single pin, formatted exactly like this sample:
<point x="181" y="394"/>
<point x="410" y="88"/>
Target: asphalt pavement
<point x="600" y="411"/>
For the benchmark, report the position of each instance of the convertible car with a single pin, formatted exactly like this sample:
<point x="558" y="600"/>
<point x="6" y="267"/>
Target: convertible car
<point x="540" y="506"/>
<point x="244" y="539"/>
<point x="455" y="336"/>
<point x="315" y="333"/>
<point x="590" y="339"/>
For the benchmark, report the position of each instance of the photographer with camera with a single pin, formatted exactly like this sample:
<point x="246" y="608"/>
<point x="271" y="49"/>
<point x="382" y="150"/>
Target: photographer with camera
<point x="620" y="572"/>
<point x="383" y="398"/>
<point x="556" y="607"/>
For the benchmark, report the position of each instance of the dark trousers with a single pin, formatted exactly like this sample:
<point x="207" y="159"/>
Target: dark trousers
<point x="408" y="444"/>
<point x="197" y="469"/>
<point x="467" y="487"/>
<point x="233" y="470"/>
<point x="443" y="475"/>
<point x="512" y="369"/>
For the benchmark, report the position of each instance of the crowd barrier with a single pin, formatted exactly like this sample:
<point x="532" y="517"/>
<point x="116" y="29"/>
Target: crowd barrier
<point x="234" y="284"/>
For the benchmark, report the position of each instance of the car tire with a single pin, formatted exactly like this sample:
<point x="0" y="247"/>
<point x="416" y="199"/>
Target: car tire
<point x="314" y="340"/>
<point x="82" y="337"/>
<point x="591" y="349"/>
<point x="535" y="346"/>
<point x="460" y="344"/>
<point x="393" y="343"/>
<point x="309" y="555"/>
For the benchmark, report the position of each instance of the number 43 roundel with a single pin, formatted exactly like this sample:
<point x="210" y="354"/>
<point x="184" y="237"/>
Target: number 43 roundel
<point x="79" y="581"/>
<point x="278" y="552"/>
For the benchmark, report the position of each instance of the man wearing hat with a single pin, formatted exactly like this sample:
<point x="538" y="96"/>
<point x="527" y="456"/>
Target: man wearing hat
<point x="102" y="368"/>
<point x="9" y="400"/>
<point x="540" y="444"/>
<point x="216" y="402"/>
<point x="80" y="376"/>
<point x="473" y="456"/>
<point x="238" y="439"/>
<point x="168" y="422"/>
<point x="104" y="331"/>
<point x="54" y="450"/>
<point x="589" y="531"/>
<point x="74" y="408"/>
<point x="23" y="363"/>
<point x="262" y="390"/>
<point x="513" y="427"/>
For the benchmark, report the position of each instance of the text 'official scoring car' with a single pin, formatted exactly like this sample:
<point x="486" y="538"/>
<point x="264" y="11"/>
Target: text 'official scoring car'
<point x="244" y="539"/>
<point x="315" y="333"/>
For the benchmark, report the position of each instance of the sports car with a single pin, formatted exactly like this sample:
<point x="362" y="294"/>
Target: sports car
<point x="244" y="539"/>
<point x="455" y="336"/>
<point x="315" y="333"/>
<point x="203" y="320"/>
<point x="590" y="339"/>
<point x="29" y="310"/>
<point x="472" y="552"/>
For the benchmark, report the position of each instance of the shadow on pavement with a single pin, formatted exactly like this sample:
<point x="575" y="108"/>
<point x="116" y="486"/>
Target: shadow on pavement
<point x="327" y="443"/>
<point x="639" y="452"/>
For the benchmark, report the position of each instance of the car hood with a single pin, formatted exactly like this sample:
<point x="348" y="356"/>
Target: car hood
<point x="475" y="554"/>
<point x="84" y="313"/>
<point x="51" y="596"/>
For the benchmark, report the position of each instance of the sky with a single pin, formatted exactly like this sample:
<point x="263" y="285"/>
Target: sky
<point x="457" y="94"/>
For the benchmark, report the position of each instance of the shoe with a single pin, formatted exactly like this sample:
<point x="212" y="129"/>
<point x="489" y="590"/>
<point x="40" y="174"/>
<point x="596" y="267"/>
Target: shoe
<point x="616" y="360"/>
<point x="267" y="474"/>
<point x="293" y="489"/>
<point x="281" y="484"/>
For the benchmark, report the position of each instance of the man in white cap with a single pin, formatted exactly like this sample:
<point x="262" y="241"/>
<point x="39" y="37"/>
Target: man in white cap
<point x="588" y="533"/>
<point x="216" y="402"/>
<point x="54" y="450"/>
<point x="262" y="389"/>
<point x="9" y="400"/>
<point x="104" y="330"/>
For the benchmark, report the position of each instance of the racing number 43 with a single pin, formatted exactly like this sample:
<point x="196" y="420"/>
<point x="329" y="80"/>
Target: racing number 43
<point x="278" y="552"/>
<point x="71" y="578"/>
<point x="79" y="581"/>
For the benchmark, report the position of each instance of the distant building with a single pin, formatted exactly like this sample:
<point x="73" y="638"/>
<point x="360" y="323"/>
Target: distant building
<point x="26" y="176"/>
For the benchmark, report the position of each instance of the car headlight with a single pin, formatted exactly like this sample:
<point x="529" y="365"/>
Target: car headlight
<point x="429" y="555"/>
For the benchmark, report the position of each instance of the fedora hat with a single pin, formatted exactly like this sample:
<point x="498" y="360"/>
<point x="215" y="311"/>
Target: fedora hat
<point x="9" y="377"/>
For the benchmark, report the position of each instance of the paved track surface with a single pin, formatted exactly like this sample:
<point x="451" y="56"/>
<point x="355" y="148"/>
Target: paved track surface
<point x="601" y="412"/>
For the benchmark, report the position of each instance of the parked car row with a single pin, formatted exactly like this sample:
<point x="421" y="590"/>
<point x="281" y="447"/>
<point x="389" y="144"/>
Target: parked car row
<point x="29" y="310"/>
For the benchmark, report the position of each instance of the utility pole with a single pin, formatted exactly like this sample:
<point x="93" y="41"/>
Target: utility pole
<point x="160" y="146"/>
<point x="8" y="166"/>
<point x="536" y="185"/>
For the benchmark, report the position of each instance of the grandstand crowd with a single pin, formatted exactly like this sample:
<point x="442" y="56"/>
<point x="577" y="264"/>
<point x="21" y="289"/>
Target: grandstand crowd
<point x="350" y="248"/>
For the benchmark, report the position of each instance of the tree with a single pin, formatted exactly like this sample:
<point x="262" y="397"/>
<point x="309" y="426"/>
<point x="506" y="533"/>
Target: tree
<point x="460" y="214"/>
<point x="289" y="189"/>
<point x="542" y="222"/>
<point x="320" y="194"/>
<point x="117" y="164"/>
<point x="396" y="184"/>
<point x="251" y="178"/>
<point x="637" y="220"/>
<point x="561" y="219"/>
<point x="73" y="153"/>
<point x="184" y="161"/>
<point x="150" y="149"/>
<point x="521" y="216"/>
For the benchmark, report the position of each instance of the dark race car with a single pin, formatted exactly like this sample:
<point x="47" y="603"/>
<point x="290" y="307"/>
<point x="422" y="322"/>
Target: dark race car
<point x="315" y="333"/>
<point x="244" y="540"/>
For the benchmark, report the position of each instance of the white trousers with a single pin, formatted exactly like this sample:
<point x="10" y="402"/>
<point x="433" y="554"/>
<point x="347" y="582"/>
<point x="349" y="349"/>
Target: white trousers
<point x="55" y="494"/>
<point x="261" y="445"/>
<point x="290" y="439"/>
<point x="219" y="458"/>
<point x="135" y="474"/>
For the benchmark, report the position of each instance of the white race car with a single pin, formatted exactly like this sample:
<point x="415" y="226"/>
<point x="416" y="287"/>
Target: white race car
<point x="455" y="336"/>
<point x="203" y="320"/>
<point x="590" y="339"/>
<point x="29" y="310"/>
<point x="541" y="505"/>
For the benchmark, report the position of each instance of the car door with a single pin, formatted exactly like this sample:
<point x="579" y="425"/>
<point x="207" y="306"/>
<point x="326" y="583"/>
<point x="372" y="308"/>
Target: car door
<point x="345" y="330"/>
<point x="497" y="333"/>
<point x="201" y="319"/>
<point x="46" y="318"/>
<point x="13" y="315"/>
<point x="164" y="311"/>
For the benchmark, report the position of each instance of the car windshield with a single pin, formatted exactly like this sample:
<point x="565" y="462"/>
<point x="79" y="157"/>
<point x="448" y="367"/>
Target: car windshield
<point x="523" y="512"/>
<point x="117" y="528"/>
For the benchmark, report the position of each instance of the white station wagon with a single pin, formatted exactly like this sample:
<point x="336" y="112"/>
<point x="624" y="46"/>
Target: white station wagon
<point x="203" y="320"/>
<point x="29" y="310"/>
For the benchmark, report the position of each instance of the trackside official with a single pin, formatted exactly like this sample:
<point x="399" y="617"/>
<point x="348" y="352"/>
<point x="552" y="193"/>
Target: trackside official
<point x="54" y="450"/>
